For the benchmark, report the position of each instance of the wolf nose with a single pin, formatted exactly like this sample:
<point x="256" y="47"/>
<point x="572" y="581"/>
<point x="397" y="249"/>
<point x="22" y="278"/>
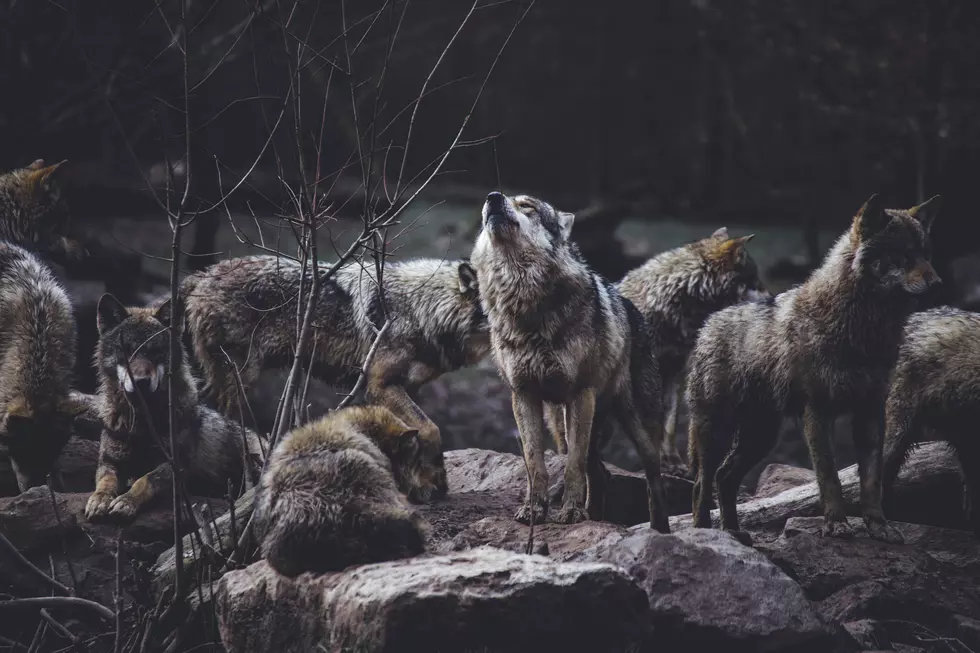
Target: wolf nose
<point x="495" y="200"/>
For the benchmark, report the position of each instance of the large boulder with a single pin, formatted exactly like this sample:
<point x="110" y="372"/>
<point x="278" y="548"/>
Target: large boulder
<point x="777" y="478"/>
<point x="930" y="580"/>
<point x="485" y="600"/>
<point x="708" y="591"/>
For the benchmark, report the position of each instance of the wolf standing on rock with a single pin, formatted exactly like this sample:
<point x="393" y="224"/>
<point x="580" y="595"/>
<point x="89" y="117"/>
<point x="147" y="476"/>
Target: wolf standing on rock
<point x="133" y="360"/>
<point x="822" y="349"/>
<point x="563" y="336"/>
<point x="246" y="307"/>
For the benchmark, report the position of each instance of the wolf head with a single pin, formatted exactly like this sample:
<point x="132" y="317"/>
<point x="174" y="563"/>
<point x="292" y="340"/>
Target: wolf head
<point x="36" y="212"/>
<point x="730" y="267"/>
<point x="134" y="345"/>
<point x="523" y="223"/>
<point x="401" y="443"/>
<point x="892" y="247"/>
<point x="33" y="436"/>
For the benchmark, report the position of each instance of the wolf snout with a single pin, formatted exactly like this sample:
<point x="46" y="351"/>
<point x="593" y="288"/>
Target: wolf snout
<point x="141" y="374"/>
<point x="495" y="202"/>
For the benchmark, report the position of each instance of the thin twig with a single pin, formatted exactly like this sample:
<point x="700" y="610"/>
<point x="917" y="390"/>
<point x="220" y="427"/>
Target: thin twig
<point x="59" y="602"/>
<point x="368" y="360"/>
<point x="29" y="566"/>
<point x="117" y="648"/>
<point x="60" y="628"/>
<point x="64" y="539"/>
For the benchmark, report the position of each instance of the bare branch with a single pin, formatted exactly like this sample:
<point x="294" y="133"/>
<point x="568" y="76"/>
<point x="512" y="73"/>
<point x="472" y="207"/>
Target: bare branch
<point x="29" y="566"/>
<point x="58" y="602"/>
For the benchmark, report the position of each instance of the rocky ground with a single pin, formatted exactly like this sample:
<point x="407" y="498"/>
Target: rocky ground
<point x="609" y="586"/>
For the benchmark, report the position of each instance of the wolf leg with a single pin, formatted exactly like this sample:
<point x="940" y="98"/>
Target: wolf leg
<point x="755" y="438"/>
<point x="529" y="415"/>
<point x="555" y="419"/>
<point x="868" y="427"/>
<point x="673" y="463"/>
<point x="646" y="438"/>
<point x="579" y="415"/>
<point x="818" y="428"/>
<point x="142" y="491"/>
<point x="902" y="430"/>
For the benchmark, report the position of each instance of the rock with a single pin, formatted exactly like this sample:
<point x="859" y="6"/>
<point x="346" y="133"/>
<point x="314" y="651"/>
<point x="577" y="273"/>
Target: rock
<point x="479" y="470"/>
<point x="928" y="491"/>
<point x="778" y="478"/>
<point x="869" y="634"/>
<point x="30" y="522"/>
<point x="707" y="590"/>
<point x="485" y="600"/>
<point x="925" y="581"/>
<point x="562" y="541"/>
<point x="77" y="462"/>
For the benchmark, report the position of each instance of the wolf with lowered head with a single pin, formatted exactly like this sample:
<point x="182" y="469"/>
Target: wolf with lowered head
<point x="822" y="349"/>
<point x="133" y="364"/>
<point x="245" y="309"/>
<point x="333" y="493"/>
<point x="564" y="337"/>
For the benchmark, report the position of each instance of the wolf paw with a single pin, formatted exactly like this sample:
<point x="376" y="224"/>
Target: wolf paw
<point x="98" y="505"/>
<point x="880" y="529"/>
<point x="524" y="513"/>
<point x="123" y="507"/>
<point x="571" y="515"/>
<point x="742" y="536"/>
<point x="838" y="529"/>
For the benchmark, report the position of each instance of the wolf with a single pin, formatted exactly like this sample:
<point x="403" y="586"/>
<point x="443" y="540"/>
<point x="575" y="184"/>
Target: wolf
<point x="245" y="309"/>
<point x="34" y="214"/>
<point x="133" y="363"/>
<point x="37" y="359"/>
<point x="333" y="494"/>
<point x="822" y="349"/>
<point x="564" y="337"/>
<point x="935" y="394"/>
<point x="676" y="291"/>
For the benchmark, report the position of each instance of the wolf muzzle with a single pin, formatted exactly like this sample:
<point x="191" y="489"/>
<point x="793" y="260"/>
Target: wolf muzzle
<point x="496" y="211"/>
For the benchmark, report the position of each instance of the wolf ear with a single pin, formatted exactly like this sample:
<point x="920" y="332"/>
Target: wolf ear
<point x="41" y="176"/>
<point x="409" y="443"/>
<point x="732" y="251"/>
<point x="721" y="234"/>
<point x="871" y="218"/>
<point x="163" y="313"/>
<point x="467" y="278"/>
<point x="110" y="313"/>
<point x="926" y="212"/>
<point x="565" y="222"/>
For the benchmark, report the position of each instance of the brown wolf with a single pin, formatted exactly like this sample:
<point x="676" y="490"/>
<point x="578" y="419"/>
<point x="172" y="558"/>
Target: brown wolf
<point x="333" y="493"/>
<point x="935" y="394"/>
<point x="563" y="336"/>
<point x="37" y="360"/>
<point x="822" y="349"/>
<point x="33" y="212"/>
<point x="133" y="361"/>
<point x="246" y="308"/>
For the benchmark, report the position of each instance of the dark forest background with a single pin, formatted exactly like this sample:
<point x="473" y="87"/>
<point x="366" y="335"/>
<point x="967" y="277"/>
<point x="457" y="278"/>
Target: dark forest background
<point x="741" y="113"/>
<point x="749" y="110"/>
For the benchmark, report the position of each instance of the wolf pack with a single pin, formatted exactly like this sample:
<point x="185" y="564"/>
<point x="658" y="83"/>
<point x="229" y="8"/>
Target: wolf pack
<point x="584" y="358"/>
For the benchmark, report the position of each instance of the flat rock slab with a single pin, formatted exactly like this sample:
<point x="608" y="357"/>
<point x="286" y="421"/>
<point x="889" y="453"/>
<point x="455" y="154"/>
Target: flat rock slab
<point x="707" y="590"/>
<point x="483" y="600"/>
<point x="559" y="541"/>
<point x="480" y="470"/>
<point x="928" y="491"/>
<point x="776" y="478"/>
